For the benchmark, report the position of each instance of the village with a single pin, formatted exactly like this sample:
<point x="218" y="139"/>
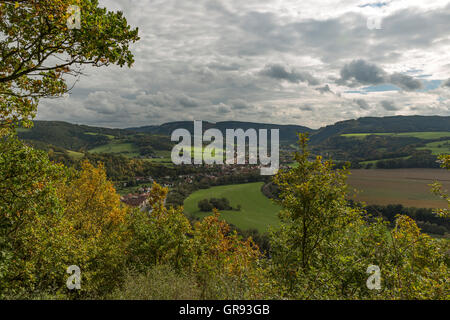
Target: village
<point x="207" y="175"/>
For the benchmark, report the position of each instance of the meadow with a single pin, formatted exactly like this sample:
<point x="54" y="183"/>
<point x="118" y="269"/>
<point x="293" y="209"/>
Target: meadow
<point x="118" y="147"/>
<point x="437" y="147"/>
<point x="409" y="187"/>
<point x="75" y="155"/>
<point x="257" y="211"/>
<point x="420" y="135"/>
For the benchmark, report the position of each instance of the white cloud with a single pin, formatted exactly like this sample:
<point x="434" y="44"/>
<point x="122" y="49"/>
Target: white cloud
<point x="203" y="59"/>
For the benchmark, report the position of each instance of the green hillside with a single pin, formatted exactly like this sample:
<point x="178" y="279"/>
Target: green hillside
<point x="288" y="133"/>
<point x="383" y="125"/>
<point x="420" y="135"/>
<point x="438" y="147"/>
<point x="258" y="212"/>
<point x="127" y="149"/>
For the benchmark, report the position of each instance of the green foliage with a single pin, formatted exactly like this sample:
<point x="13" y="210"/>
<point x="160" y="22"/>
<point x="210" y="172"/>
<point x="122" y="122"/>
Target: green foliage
<point x="39" y="51"/>
<point x="160" y="282"/>
<point x="206" y="205"/>
<point x="226" y="267"/>
<point x="51" y="219"/>
<point x="445" y="161"/>
<point x="414" y="265"/>
<point x="324" y="246"/>
<point x="160" y="237"/>
<point x="314" y="220"/>
<point x="28" y="183"/>
<point x="437" y="188"/>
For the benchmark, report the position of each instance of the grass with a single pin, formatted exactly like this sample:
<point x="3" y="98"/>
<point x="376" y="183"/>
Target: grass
<point x="165" y="157"/>
<point x="257" y="212"/>
<point x="420" y="135"/>
<point x="75" y="155"/>
<point x="99" y="134"/>
<point x="375" y="161"/>
<point x="127" y="149"/>
<point x="409" y="187"/>
<point x="438" y="147"/>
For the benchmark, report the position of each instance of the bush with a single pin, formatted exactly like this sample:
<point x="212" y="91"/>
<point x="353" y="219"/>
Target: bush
<point x="160" y="282"/>
<point x="206" y="205"/>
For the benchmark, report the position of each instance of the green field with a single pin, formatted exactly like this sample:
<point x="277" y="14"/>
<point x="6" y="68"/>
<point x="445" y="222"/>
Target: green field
<point x="420" y="135"/>
<point x="127" y="149"/>
<point x="75" y="155"/>
<point x="258" y="212"/>
<point x="165" y="157"/>
<point x="99" y="134"/>
<point x="375" y="161"/>
<point x="438" y="147"/>
<point x="409" y="187"/>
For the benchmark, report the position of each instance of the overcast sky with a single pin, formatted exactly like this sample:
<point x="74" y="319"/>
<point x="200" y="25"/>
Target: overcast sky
<point x="310" y="63"/>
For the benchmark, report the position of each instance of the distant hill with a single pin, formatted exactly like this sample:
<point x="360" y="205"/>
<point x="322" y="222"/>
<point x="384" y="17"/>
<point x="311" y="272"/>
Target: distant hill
<point x="82" y="137"/>
<point x="394" y="124"/>
<point x="287" y="132"/>
<point x="69" y="136"/>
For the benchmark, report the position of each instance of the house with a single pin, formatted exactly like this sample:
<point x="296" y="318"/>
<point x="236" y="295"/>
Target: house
<point x="136" y="200"/>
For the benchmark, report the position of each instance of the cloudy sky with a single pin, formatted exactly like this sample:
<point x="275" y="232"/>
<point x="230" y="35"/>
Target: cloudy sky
<point x="303" y="62"/>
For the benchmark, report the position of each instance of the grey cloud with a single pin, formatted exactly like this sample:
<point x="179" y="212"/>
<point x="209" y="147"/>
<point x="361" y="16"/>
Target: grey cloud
<point x="405" y="82"/>
<point x="306" y="108"/>
<point x="361" y="72"/>
<point x="325" y="89"/>
<point x="277" y="71"/>
<point x="188" y="102"/>
<point x="223" y="109"/>
<point x="362" y="104"/>
<point x="389" y="105"/>
<point x="240" y="104"/>
<point x="446" y="83"/>
<point x="224" y="67"/>
<point x="195" y="55"/>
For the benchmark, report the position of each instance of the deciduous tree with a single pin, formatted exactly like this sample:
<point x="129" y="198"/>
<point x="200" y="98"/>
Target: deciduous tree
<point x="39" y="52"/>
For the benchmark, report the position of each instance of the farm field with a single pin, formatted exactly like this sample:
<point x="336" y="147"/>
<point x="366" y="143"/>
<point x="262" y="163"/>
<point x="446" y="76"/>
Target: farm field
<point x="257" y="212"/>
<point x="420" y="135"/>
<point x="166" y="156"/>
<point x="409" y="187"/>
<point x="127" y="149"/>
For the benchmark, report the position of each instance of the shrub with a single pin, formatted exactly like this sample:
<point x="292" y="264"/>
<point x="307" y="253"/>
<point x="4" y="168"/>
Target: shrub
<point x="160" y="282"/>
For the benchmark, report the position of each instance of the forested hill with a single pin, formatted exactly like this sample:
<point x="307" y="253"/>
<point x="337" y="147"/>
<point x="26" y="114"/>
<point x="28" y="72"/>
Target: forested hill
<point x="69" y="136"/>
<point x="83" y="137"/>
<point x="287" y="132"/>
<point x="395" y="124"/>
